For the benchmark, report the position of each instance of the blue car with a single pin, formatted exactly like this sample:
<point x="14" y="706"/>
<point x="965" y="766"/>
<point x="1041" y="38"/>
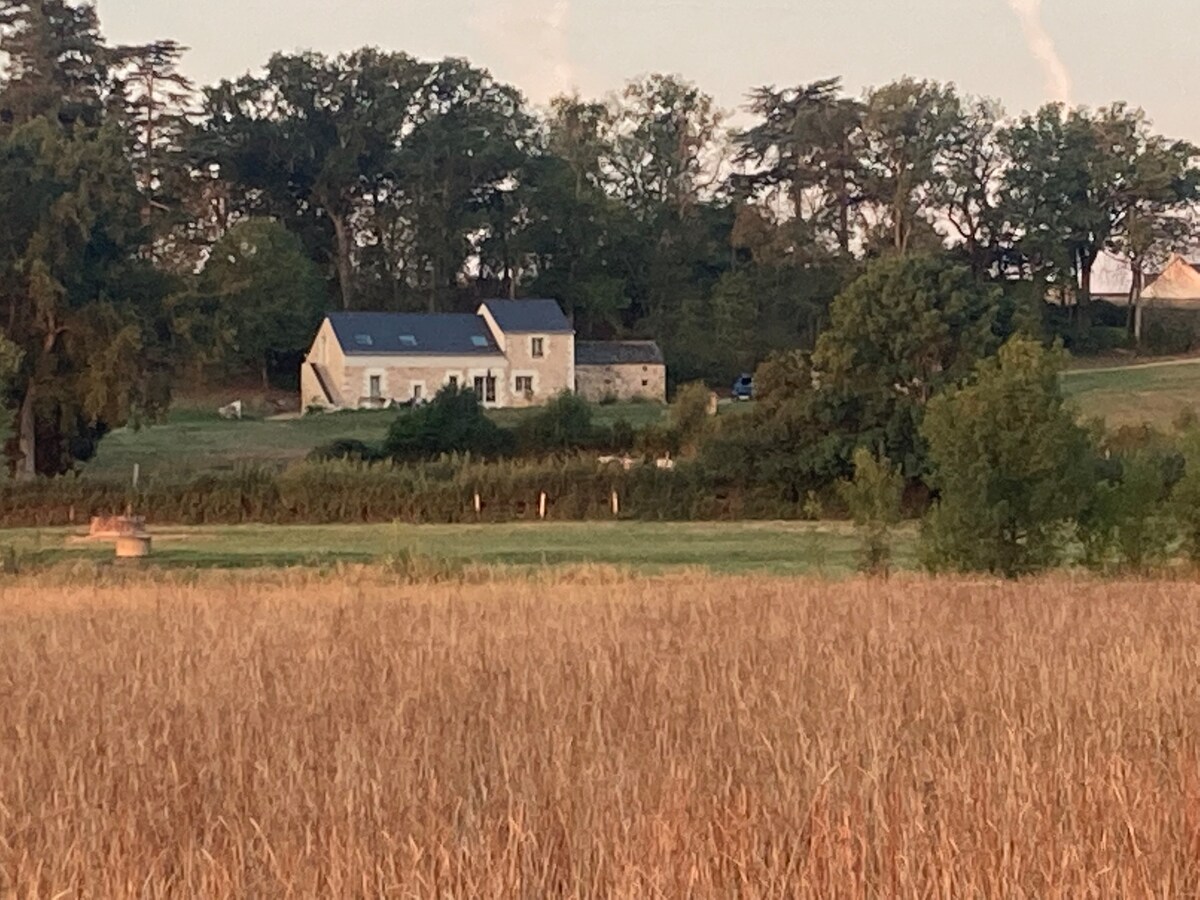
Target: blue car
<point x="743" y="388"/>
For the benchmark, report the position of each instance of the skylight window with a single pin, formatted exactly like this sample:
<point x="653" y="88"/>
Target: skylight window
<point x="479" y="340"/>
<point x="408" y="340"/>
<point x="363" y="340"/>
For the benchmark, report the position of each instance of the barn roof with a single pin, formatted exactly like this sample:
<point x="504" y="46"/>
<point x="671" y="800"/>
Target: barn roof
<point x="618" y="353"/>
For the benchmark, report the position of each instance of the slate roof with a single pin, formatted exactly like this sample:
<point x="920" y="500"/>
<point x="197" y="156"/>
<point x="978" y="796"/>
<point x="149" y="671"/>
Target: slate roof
<point x="412" y="334"/>
<point x="529" y="316"/>
<point x="618" y="353"/>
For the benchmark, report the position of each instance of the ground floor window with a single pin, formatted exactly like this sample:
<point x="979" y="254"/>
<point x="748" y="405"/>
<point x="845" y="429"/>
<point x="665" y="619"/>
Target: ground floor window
<point x="418" y="391"/>
<point x="375" y="387"/>
<point x="524" y="384"/>
<point x="452" y="382"/>
<point x="485" y="388"/>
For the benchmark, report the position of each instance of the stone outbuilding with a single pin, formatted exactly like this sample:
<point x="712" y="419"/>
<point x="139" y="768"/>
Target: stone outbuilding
<point x="620" y="370"/>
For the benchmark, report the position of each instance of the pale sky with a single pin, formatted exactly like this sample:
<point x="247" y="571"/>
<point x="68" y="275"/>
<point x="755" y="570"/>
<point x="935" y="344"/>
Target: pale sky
<point x="1021" y="51"/>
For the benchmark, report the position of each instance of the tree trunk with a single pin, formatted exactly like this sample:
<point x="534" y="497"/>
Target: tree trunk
<point x="27" y="438"/>
<point x="844" y="218"/>
<point x="1134" y="319"/>
<point x="1083" y="321"/>
<point x="345" y="264"/>
<point x="266" y="376"/>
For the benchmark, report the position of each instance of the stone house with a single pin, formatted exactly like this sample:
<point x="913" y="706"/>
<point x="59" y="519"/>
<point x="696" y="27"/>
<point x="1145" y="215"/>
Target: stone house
<point x="512" y="353"/>
<point x="620" y="370"/>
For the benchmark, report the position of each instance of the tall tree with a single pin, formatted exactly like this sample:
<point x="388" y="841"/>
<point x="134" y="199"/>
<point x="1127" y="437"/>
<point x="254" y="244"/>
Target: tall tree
<point x="158" y="101"/>
<point x="906" y="329"/>
<point x="75" y="294"/>
<point x="463" y="154"/>
<point x="581" y="239"/>
<point x="666" y="165"/>
<point x="665" y="136"/>
<point x="373" y="156"/>
<point x="966" y="185"/>
<point x="57" y="64"/>
<point x="1080" y="182"/>
<point x="1162" y="215"/>
<point x="259" y="299"/>
<point x="807" y="147"/>
<point x="909" y="127"/>
<point x="304" y="139"/>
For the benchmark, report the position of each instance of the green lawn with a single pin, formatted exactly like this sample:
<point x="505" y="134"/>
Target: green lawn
<point x="193" y="440"/>
<point x="773" y="547"/>
<point x="1130" y="396"/>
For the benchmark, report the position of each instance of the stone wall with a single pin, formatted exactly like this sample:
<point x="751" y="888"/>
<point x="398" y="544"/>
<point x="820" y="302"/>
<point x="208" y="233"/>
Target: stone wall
<point x="422" y="379"/>
<point x="326" y="354"/>
<point x="552" y="374"/>
<point x="622" y="382"/>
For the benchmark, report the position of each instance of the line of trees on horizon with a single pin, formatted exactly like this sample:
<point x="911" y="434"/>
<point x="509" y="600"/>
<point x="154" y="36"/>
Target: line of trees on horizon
<point x="155" y="230"/>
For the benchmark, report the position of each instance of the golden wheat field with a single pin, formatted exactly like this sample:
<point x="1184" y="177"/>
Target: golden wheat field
<point x="596" y="734"/>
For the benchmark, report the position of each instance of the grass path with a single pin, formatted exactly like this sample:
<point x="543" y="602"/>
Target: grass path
<point x="1133" y="367"/>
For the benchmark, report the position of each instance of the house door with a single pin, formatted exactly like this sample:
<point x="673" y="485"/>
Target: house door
<point x="376" y="388"/>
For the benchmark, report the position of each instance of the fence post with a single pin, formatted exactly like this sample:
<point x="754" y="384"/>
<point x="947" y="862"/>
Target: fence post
<point x="616" y="505"/>
<point x="478" y="505"/>
<point x="542" y="506"/>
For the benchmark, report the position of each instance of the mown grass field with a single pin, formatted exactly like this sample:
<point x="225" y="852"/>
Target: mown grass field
<point x="194" y="439"/>
<point x="1154" y="394"/>
<point x="766" y="547"/>
<point x="591" y="734"/>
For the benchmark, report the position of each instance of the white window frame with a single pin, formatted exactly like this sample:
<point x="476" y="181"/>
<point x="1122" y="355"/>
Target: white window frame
<point x="485" y="374"/>
<point x="381" y="374"/>
<point x="533" y="384"/>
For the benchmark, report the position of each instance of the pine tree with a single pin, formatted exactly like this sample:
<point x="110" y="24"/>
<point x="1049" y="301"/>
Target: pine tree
<point x="57" y="63"/>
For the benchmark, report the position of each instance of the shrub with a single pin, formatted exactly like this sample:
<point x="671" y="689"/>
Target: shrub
<point x="346" y="448"/>
<point x="565" y="423"/>
<point x="874" y="496"/>
<point x="1126" y="523"/>
<point x="689" y="419"/>
<point x="622" y="437"/>
<point x="1185" y="499"/>
<point x="454" y="422"/>
<point x="1011" y="466"/>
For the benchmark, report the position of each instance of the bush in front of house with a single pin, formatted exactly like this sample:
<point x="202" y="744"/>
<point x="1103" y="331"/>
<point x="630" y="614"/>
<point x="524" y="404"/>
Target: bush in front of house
<point x="453" y="422"/>
<point x="563" y="424"/>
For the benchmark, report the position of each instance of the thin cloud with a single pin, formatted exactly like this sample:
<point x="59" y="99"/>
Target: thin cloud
<point x="1041" y="45"/>
<point x="530" y="41"/>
